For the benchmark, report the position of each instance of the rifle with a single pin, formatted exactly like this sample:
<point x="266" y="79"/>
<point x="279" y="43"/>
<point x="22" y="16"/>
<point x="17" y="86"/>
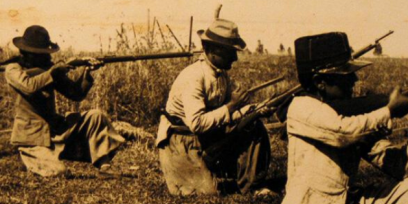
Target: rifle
<point x="265" y="84"/>
<point x="114" y="59"/>
<point x="370" y="46"/>
<point x="128" y="58"/>
<point x="214" y="151"/>
<point x="272" y="102"/>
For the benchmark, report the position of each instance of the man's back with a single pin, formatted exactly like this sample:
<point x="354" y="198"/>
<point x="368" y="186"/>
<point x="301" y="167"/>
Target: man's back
<point x="35" y="105"/>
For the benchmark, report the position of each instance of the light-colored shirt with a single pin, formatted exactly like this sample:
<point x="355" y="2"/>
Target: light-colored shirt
<point x="198" y="97"/>
<point x="321" y="154"/>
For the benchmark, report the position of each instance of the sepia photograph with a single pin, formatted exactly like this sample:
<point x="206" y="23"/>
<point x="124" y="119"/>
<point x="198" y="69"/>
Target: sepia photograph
<point x="187" y="101"/>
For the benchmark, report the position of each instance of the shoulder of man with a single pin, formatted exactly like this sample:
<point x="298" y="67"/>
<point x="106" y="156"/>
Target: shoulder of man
<point x="11" y="68"/>
<point x="193" y="70"/>
<point x="14" y="68"/>
<point x="305" y="105"/>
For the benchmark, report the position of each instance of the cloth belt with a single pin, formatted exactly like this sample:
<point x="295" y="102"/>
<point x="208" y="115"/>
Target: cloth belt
<point x="177" y="124"/>
<point x="183" y="130"/>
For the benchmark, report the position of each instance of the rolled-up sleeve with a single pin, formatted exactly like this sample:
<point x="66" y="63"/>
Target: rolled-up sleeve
<point x="310" y="118"/>
<point x="198" y="118"/>
<point x="18" y="78"/>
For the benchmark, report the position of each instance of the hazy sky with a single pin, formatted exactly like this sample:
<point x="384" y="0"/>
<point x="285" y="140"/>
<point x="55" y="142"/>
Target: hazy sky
<point x="80" y="23"/>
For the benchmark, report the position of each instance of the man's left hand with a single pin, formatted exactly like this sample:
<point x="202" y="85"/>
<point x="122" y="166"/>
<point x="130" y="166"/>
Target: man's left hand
<point x="95" y="64"/>
<point x="92" y="64"/>
<point x="267" y="111"/>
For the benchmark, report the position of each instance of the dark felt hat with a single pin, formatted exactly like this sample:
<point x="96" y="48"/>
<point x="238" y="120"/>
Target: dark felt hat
<point x="223" y="32"/>
<point x="36" y="40"/>
<point x="327" y="53"/>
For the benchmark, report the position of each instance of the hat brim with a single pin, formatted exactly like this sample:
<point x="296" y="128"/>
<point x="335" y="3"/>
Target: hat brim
<point x="238" y="45"/>
<point x="20" y="43"/>
<point x="348" y="68"/>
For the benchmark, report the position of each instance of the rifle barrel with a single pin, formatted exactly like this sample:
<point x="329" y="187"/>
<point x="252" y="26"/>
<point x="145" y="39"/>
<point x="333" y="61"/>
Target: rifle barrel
<point x="113" y="59"/>
<point x="274" y="102"/>
<point x="279" y="99"/>
<point x="370" y="46"/>
<point x="384" y="36"/>
<point x="265" y="84"/>
<point x="363" y="51"/>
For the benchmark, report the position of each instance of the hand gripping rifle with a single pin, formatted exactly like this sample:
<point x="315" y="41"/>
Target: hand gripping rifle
<point x="272" y="102"/>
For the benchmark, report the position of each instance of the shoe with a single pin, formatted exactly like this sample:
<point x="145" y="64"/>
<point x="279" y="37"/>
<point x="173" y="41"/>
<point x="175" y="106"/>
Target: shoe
<point x="265" y="192"/>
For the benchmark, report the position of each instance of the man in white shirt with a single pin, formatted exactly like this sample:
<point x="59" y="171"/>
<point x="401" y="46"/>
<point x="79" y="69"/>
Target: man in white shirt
<point x="325" y="147"/>
<point x="200" y="107"/>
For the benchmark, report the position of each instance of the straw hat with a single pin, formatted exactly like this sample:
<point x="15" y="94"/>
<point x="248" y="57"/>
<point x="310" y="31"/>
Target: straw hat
<point x="223" y="32"/>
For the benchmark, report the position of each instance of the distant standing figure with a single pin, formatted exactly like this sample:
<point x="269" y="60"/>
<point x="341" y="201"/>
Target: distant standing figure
<point x="44" y="137"/>
<point x="260" y="48"/>
<point x="200" y="106"/>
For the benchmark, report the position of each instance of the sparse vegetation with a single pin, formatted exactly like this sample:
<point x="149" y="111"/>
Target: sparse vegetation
<point x="134" y="92"/>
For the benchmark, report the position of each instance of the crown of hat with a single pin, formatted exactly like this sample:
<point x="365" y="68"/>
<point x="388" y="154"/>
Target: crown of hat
<point x="223" y="32"/>
<point x="37" y="36"/>
<point x="224" y="28"/>
<point x="317" y="52"/>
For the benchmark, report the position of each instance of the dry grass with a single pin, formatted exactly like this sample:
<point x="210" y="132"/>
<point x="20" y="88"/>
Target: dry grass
<point x="134" y="92"/>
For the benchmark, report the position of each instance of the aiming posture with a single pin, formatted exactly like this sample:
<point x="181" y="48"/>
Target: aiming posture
<point x="325" y="147"/>
<point x="43" y="136"/>
<point x="199" y="109"/>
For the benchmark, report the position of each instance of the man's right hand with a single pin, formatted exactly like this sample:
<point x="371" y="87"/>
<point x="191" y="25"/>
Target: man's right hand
<point x="239" y="98"/>
<point x="59" y="69"/>
<point x="398" y="103"/>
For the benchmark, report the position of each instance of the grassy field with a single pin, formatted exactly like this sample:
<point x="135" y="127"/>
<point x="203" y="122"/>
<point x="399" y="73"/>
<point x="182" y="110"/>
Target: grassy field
<point x="134" y="92"/>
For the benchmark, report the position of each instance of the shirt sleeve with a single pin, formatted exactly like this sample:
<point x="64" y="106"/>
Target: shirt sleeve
<point x="317" y="121"/>
<point x="25" y="83"/>
<point x="198" y="117"/>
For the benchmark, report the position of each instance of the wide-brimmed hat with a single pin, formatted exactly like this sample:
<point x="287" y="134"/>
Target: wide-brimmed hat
<point x="223" y="32"/>
<point x="36" y="40"/>
<point x="327" y="53"/>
